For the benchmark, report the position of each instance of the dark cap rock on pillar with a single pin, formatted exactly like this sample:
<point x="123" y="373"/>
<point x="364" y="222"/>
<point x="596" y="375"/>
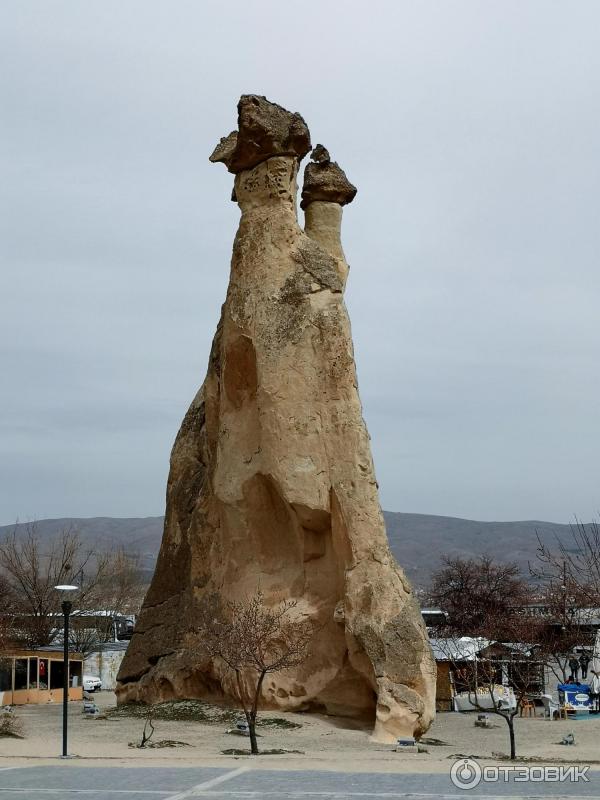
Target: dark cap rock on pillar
<point x="325" y="180"/>
<point x="265" y="129"/>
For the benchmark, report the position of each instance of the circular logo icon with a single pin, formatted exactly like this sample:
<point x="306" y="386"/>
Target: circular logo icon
<point x="465" y="773"/>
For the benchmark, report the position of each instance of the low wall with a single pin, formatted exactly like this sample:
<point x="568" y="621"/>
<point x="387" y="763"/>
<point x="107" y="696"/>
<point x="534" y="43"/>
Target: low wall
<point x="104" y="664"/>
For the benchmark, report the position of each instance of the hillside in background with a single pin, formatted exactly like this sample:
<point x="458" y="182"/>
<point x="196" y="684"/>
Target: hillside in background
<point x="417" y="540"/>
<point x="140" y="535"/>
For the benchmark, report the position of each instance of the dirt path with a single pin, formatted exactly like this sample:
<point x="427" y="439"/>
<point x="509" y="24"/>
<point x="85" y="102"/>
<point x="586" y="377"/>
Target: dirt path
<point x="324" y="742"/>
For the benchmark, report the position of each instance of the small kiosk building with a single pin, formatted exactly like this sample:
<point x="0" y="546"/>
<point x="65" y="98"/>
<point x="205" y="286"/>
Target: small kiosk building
<point x="36" y="676"/>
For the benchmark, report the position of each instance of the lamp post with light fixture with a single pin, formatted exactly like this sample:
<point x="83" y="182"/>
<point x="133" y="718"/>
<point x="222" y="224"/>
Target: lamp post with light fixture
<point x="66" y="606"/>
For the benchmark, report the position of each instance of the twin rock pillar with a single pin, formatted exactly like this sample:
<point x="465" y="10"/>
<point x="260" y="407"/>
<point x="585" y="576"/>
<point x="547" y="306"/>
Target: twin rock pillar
<point x="272" y="482"/>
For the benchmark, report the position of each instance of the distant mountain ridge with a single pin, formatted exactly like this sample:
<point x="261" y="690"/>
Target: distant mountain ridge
<point x="416" y="540"/>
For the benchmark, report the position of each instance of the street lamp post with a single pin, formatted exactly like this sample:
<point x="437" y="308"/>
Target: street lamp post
<point x="66" y="606"/>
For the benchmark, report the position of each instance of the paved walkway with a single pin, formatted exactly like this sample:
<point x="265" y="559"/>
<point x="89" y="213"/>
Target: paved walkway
<point x="173" y="783"/>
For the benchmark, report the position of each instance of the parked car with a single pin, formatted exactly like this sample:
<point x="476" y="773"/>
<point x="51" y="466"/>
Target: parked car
<point x="91" y="683"/>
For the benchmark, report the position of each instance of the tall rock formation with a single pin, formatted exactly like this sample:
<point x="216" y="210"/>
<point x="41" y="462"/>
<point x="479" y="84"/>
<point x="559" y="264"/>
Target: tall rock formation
<point x="272" y="481"/>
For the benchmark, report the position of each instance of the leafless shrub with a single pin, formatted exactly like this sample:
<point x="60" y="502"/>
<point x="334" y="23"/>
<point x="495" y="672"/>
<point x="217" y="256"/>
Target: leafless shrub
<point x="252" y="638"/>
<point x="11" y="725"/>
<point x="148" y="731"/>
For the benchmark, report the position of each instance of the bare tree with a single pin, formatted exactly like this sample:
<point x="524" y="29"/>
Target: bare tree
<point x="568" y="574"/>
<point x="121" y="589"/>
<point x="117" y="593"/>
<point x="472" y="591"/>
<point x="563" y="612"/>
<point x="107" y="582"/>
<point x="575" y="560"/>
<point x="33" y="571"/>
<point x="253" y="640"/>
<point x="495" y="664"/>
<point x="148" y="731"/>
<point x="7" y="612"/>
<point x="488" y="600"/>
<point x="485" y="679"/>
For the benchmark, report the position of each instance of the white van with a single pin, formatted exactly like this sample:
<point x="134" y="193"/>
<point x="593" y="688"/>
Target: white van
<point x="91" y="683"/>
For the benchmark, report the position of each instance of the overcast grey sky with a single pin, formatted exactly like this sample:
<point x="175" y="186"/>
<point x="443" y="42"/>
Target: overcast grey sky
<point x="472" y="131"/>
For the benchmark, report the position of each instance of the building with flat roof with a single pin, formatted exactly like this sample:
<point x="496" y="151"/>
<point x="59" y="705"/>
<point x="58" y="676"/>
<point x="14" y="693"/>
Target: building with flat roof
<point x="36" y="676"/>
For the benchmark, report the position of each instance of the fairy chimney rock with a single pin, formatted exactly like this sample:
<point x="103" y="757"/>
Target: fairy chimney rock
<point x="272" y="481"/>
<point x="325" y="190"/>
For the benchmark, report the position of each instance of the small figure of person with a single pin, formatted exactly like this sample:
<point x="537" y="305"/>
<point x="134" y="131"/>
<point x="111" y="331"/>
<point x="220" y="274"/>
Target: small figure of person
<point x="595" y="695"/>
<point x="574" y="666"/>
<point x="570" y="679"/>
<point x="584" y="660"/>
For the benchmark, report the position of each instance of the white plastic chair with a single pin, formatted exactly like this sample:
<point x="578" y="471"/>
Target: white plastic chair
<point x="550" y="705"/>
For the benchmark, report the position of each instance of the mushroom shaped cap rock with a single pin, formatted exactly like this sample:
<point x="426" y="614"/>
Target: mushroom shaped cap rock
<point x="265" y="130"/>
<point x="325" y="180"/>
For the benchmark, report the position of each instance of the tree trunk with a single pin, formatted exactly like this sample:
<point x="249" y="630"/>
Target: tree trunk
<point x="252" y="729"/>
<point x="251" y="717"/>
<point x="250" y="714"/>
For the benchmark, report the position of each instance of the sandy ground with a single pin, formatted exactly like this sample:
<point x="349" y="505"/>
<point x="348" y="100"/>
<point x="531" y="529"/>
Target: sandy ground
<point x="325" y="742"/>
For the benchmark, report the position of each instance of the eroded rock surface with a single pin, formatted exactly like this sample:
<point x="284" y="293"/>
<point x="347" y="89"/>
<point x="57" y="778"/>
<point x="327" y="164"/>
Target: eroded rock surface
<point x="272" y="481"/>
<point x="265" y="129"/>
<point x="325" y="180"/>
